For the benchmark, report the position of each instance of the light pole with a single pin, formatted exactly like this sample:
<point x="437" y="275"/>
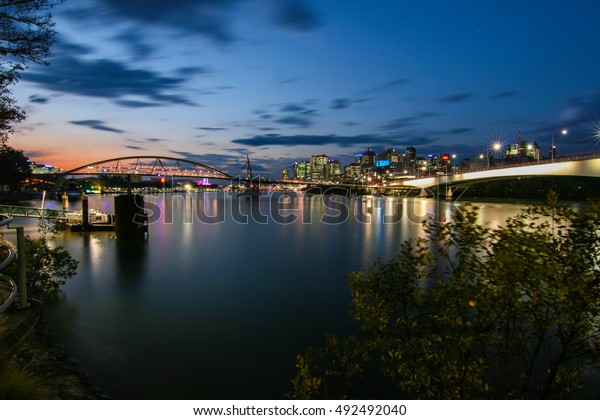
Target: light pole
<point x="496" y="147"/>
<point x="564" y="132"/>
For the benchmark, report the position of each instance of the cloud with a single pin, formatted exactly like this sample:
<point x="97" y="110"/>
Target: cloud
<point x="136" y="43"/>
<point x="211" y="19"/>
<point x="295" y="14"/>
<point x="300" y="115"/>
<point x="290" y="80"/>
<point x="38" y="99"/>
<point x="405" y="122"/>
<point x="504" y="95"/>
<point x="105" y="78"/>
<point x="230" y="164"/>
<point x="299" y="122"/>
<point x="456" y="98"/>
<point x="148" y="140"/>
<point x="461" y="130"/>
<point x="385" y="86"/>
<point x="96" y="125"/>
<point x="211" y="128"/>
<point x="129" y="103"/>
<point x="341" y="103"/>
<point x="298" y="108"/>
<point x="135" y="147"/>
<point x="311" y="140"/>
<point x="195" y="71"/>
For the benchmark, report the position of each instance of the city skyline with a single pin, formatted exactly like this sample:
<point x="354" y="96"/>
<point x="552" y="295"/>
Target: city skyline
<point x="283" y="80"/>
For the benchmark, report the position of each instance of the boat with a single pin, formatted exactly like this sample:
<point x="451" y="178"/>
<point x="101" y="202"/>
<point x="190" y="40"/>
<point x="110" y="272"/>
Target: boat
<point x="252" y="189"/>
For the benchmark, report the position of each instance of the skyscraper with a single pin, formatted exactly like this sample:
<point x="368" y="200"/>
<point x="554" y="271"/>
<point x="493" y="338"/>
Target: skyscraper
<point x="318" y="167"/>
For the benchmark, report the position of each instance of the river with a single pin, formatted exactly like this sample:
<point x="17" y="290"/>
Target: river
<point x="224" y="292"/>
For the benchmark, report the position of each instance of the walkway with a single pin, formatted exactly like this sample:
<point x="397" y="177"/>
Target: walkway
<point x="37" y="212"/>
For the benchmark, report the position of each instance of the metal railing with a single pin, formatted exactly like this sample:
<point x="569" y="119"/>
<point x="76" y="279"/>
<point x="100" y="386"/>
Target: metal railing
<point x="8" y="288"/>
<point x="39" y="213"/>
<point x="8" y="292"/>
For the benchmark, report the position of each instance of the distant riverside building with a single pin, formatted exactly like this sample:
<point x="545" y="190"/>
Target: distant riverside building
<point x="523" y="151"/>
<point x="318" y="167"/>
<point x="285" y="174"/>
<point x="301" y="170"/>
<point x="421" y="165"/>
<point x="43" y="169"/>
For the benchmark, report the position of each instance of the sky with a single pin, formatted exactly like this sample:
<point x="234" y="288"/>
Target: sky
<point x="281" y="80"/>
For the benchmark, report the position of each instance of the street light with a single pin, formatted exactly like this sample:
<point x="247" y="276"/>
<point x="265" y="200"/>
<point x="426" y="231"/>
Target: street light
<point x="564" y="132"/>
<point x="496" y="147"/>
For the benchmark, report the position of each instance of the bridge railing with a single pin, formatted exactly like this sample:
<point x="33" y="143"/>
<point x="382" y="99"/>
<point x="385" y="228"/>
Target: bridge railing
<point x="504" y="165"/>
<point x="39" y="213"/>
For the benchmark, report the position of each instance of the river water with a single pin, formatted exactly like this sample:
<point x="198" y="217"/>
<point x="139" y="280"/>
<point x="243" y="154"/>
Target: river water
<point x="225" y="291"/>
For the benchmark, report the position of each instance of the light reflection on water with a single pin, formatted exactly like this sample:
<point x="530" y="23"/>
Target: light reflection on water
<point x="219" y="310"/>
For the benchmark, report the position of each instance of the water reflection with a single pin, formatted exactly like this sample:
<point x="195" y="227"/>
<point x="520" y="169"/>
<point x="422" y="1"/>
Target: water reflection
<point x="225" y="291"/>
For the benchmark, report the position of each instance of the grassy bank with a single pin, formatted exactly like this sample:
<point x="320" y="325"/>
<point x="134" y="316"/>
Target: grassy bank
<point x="42" y="369"/>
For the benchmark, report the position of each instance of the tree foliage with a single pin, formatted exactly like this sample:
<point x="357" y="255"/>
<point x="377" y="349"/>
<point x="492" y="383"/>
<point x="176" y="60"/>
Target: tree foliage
<point x="14" y="167"/>
<point x="47" y="266"/>
<point x="473" y="312"/>
<point x="26" y="35"/>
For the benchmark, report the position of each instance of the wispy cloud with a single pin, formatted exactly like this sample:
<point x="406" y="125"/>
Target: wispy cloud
<point x="456" y="98"/>
<point x="392" y="84"/>
<point x="505" y="95"/>
<point x="406" y="122"/>
<point x="311" y="140"/>
<point x="107" y="78"/>
<point x="212" y="19"/>
<point x="211" y="128"/>
<point x="97" y="125"/>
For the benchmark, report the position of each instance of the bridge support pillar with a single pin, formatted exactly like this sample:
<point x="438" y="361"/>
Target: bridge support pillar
<point x="131" y="221"/>
<point x="448" y="193"/>
<point x="85" y="213"/>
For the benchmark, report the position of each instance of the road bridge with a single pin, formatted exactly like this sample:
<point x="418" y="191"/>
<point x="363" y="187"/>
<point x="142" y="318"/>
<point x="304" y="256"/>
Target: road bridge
<point x="578" y="165"/>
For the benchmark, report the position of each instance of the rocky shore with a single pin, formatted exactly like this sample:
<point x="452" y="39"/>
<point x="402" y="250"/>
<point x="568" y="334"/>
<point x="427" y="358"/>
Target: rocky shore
<point x="54" y="374"/>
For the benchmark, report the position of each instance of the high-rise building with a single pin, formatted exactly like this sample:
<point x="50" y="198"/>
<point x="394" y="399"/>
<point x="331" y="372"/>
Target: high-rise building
<point x="334" y="169"/>
<point x="318" y="167"/>
<point x="285" y="174"/>
<point x="301" y="170"/>
<point x="410" y="160"/>
<point x="389" y="160"/>
<point x="352" y="171"/>
<point x="368" y="162"/>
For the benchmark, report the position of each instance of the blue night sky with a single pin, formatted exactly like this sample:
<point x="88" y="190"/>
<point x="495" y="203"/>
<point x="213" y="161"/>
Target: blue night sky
<point x="212" y="80"/>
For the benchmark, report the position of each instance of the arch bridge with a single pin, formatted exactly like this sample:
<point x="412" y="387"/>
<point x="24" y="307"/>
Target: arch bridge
<point x="158" y="166"/>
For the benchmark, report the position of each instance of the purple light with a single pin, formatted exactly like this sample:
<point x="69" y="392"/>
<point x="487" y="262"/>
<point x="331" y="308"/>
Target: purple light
<point x="202" y="182"/>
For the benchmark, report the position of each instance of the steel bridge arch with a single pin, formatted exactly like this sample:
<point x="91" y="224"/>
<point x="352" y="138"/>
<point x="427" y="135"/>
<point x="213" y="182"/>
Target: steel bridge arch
<point x="146" y="165"/>
<point x="217" y="174"/>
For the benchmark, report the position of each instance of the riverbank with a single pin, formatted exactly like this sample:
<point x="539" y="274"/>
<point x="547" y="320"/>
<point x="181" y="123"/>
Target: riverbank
<point x="42" y="369"/>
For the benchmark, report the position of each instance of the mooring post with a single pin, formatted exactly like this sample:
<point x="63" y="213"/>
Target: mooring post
<point x="22" y="279"/>
<point x="65" y="201"/>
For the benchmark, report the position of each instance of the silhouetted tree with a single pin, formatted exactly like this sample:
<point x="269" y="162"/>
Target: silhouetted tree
<point x="26" y="35"/>
<point x="14" y="168"/>
<point x="472" y="312"/>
